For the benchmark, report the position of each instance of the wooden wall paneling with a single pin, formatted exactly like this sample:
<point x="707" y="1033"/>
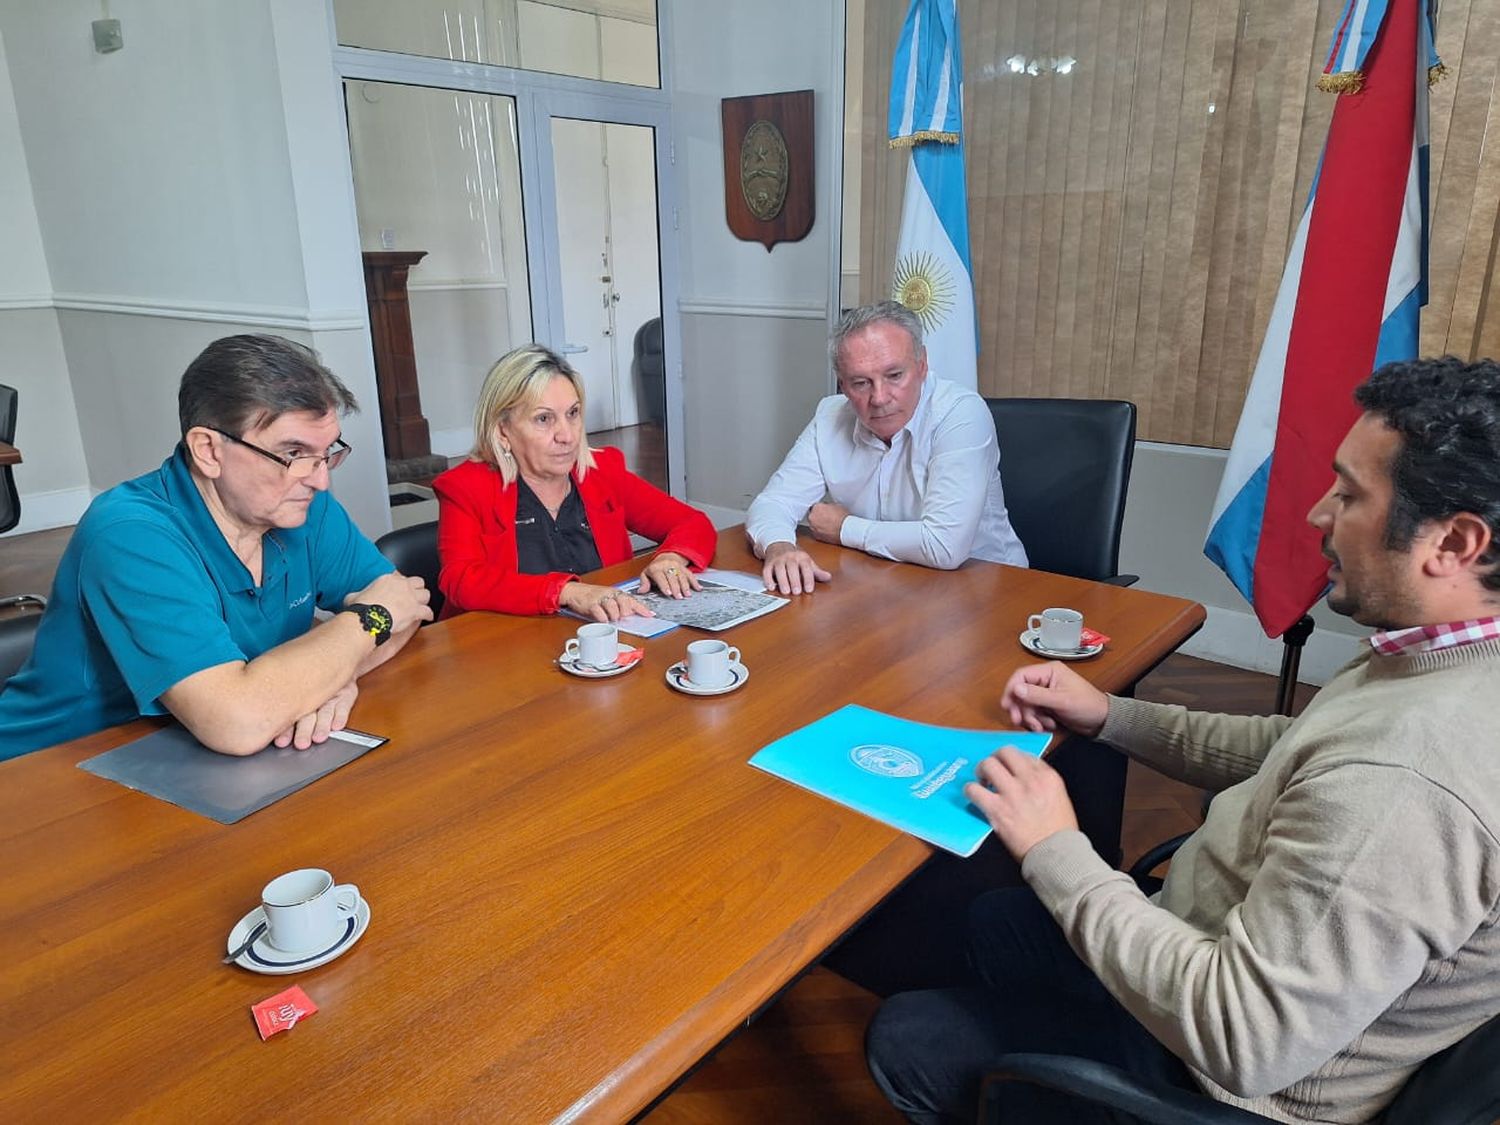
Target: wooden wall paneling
<point x="1001" y="219"/>
<point x="1128" y="244"/>
<point x="1195" y="204"/>
<point x="1029" y="145"/>
<point x="1082" y="17"/>
<point x="1232" y="117"/>
<point x="981" y="123"/>
<point x="1001" y="225"/>
<point x="1126" y="50"/>
<point x="1476" y="270"/>
<point x="1100" y="56"/>
<point x="1467" y="193"/>
<point x="1057" y="101"/>
<point x="1452" y="183"/>
<point x="1445" y="243"/>
<point x="1135" y="166"/>
<point x="1174" y="166"/>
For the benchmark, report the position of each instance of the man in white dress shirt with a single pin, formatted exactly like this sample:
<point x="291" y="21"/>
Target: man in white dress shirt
<point x="898" y="465"/>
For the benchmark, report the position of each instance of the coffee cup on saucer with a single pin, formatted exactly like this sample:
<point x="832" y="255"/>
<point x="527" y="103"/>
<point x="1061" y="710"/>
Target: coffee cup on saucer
<point x="597" y="645"/>
<point x="710" y="663"/>
<point x="1057" y="629"/>
<point x="306" y="911"/>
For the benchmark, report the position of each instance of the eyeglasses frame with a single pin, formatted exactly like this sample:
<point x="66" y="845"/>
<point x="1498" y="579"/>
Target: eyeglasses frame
<point x="337" y="454"/>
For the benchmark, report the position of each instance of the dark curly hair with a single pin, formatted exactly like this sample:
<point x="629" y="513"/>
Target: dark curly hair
<point x="1448" y="415"/>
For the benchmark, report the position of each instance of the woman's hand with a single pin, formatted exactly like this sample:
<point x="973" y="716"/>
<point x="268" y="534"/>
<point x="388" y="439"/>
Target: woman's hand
<point x="601" y="603"/>
<point x="670" y="574"/>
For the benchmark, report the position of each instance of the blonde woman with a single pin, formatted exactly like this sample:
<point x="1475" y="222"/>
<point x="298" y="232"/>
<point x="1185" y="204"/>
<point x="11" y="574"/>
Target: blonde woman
<point x="534" y="507"/>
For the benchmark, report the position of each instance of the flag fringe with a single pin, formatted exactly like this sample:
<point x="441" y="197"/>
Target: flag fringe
<point x="1344" y="82"/>
<point x="911" y="140"/>
<point x="1436" y="73"/>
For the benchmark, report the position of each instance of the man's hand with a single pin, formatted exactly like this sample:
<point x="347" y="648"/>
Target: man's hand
<point x="406" y="598"/>
<point x="1023" y="798"/>
<point x="1043" y="697"/>
<point x="791" y="570"/>
<point x="826" y="522"/>
<point x="600" y="603"/>
<point x="317" y="726"/>
<point x="670" y="574"/>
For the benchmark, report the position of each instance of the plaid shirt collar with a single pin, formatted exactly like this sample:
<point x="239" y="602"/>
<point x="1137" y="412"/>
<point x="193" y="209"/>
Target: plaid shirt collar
<point x="1430" y="638"/>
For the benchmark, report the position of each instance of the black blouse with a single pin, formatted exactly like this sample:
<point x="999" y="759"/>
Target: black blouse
<point x="547" y="546"/>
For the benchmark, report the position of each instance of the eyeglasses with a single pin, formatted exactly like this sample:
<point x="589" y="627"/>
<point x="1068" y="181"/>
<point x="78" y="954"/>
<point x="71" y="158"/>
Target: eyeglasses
<point x="299" y="467"/>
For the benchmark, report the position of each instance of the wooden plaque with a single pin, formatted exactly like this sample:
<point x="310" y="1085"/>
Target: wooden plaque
<point x="768" y="166"/>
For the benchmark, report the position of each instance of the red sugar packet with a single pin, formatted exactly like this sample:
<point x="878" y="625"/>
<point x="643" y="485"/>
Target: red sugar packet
<point x="282" y="1011"/>
<point x="625" y="659"/>
<point x="1090" y="637"/>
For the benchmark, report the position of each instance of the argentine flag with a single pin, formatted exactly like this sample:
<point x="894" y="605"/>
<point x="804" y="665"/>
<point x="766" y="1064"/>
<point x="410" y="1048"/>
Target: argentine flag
<point x="1354" y="283"/>
<point x="933" y="276"/>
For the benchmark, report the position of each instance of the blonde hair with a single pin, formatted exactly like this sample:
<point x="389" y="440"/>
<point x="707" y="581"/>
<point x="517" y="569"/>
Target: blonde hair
<point x="516" y="382"/>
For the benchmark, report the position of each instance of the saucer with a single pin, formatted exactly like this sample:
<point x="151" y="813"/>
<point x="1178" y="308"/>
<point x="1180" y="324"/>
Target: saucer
<point x="569" y="663"/>
<point x="677" y="678"/>
<point x="263" y="957"/>
<point x="1031" y="644"/>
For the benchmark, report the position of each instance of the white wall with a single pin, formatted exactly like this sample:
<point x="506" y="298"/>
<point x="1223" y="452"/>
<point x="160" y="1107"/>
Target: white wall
<point x="754" y="324"/>
<point x="53" y="478"/>
<point x="192" y="185"/>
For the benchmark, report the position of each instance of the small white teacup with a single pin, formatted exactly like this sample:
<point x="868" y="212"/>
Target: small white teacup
<point x="709" y="663"/>
<point x="596" y="645"/>
<point x="305" y="911"/>
<point x="1060" y="630"/>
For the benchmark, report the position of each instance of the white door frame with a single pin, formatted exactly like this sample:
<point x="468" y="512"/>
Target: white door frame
<point x="540" y="97"/>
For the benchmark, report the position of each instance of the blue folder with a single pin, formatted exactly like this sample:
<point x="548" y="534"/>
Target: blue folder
<point x="908" y="775"/>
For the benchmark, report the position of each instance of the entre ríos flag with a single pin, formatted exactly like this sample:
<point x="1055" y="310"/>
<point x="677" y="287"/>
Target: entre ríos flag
<point x="1355" y="280"/>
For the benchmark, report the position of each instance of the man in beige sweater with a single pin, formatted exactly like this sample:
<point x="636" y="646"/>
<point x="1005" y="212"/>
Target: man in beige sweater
<point x="1336" y="920"/>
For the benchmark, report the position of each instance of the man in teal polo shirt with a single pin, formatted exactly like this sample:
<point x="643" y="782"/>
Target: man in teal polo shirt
<point x="191" y="590"/>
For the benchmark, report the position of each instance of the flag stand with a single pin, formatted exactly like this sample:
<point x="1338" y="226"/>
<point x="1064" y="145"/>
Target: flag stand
<point x="1291" y="656"/>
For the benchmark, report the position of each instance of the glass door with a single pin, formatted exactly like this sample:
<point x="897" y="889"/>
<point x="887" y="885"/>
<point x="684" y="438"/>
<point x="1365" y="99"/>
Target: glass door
<point x="545" y="204"/>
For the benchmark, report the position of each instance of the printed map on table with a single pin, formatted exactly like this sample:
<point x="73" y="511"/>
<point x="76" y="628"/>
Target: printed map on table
<point x="716" y="606"/>
<point x="909" y="775"/>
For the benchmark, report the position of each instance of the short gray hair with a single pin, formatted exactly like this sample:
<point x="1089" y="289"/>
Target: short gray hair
<point x="881" y="312"/>
<point x="242" y="383"/>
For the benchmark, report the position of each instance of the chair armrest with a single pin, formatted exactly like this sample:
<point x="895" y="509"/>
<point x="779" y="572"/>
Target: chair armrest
<point x="1102" y="1084"/>
<point x="1123" y="580"/>
<point x="1156" y="856"/>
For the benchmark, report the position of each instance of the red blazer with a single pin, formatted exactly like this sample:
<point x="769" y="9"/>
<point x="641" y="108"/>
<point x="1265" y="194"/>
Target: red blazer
<point x="477" y="533"/>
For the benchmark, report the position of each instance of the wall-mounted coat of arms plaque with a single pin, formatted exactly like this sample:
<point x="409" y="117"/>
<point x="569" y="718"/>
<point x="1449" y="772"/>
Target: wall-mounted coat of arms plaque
<point x="768" y="166"/>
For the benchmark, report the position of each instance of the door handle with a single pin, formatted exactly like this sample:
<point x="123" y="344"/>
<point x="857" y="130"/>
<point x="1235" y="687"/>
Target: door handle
<point x="573" y="349"/>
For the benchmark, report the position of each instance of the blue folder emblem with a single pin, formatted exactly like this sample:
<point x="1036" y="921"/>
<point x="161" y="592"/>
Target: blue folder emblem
<point x="886" y="761"/>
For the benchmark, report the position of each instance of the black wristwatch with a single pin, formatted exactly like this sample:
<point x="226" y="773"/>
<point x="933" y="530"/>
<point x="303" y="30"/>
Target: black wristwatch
<point x="373" y="619"/>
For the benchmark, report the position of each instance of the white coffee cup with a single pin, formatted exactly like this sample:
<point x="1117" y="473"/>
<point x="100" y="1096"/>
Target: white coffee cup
<point x="708" y="663"/>
<point x="597" y="645"/>
<point x="1060" y="630"/>
<point x="305" y="911"/>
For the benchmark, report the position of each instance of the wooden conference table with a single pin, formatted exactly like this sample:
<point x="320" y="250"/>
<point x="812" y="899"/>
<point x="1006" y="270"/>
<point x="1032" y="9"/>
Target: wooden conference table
<point x="577" y="888"/>
<point x="9" y="454"/>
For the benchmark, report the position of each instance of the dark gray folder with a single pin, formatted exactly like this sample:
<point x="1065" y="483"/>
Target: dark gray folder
<point x="173" y="765"/>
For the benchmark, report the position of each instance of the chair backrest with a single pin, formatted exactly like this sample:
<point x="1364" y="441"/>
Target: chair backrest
<point x="414" y="550"/>
<point x="10" y="498"/>
<point x="1459" y="1086"/>
<point x="17" y="634"/>
<point x="649" y="366"/>
<point x="1065" y="468"/>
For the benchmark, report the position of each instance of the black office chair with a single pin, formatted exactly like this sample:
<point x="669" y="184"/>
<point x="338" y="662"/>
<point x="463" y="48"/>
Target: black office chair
<point x="414" y="550"/>
<point x="17" y="633"/>
<point x="649" y="367"/>
<point x="10" y="497"/>
<point x="1459" y="1086"/>
<point x="1065" y="468"/>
